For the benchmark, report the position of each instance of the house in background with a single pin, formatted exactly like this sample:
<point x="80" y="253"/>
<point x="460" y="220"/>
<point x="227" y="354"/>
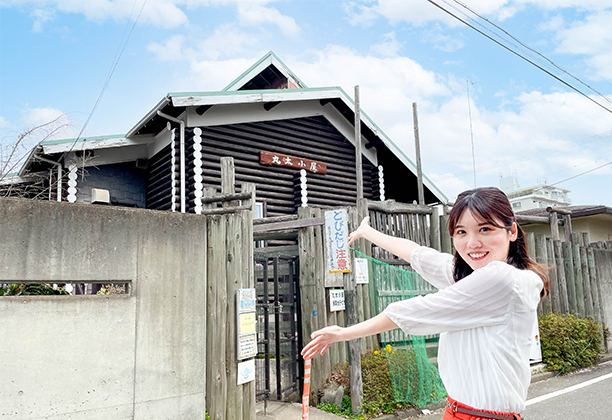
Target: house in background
<point x="536" y="197"/>
<point x="595" y="220"/>
<point x="274" y="126"/>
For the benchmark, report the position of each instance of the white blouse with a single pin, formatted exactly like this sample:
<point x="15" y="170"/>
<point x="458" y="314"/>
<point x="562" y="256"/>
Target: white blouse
<point x="485" y="322"/>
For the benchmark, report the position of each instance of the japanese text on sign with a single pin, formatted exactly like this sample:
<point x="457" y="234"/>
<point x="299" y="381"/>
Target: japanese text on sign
<point x="246" y="300"/>
<point x="361" y="271"/>
<point x="336" y="231"/>
<point x="336" y="300"/>
<point x="278" y="159"/>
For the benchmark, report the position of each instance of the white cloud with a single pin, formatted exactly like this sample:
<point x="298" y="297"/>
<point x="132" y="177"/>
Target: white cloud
<point x="40" y="17"/>
<point x="4" y="123"/>
<point x="360" y="15"/>
<point x="170" y="50"/>
<point x="440" y="41"/>
<point x="51" y="124"/>
<point x="254" y="14"/>
<point x="389" y="47"/>
<point x="591" y="37"/>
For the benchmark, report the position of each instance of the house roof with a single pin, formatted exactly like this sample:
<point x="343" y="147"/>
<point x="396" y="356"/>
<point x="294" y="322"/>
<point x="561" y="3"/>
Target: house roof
<point x="257" y="85"/>
<point x="267" y="72"/>
<point x="577" y="211"/>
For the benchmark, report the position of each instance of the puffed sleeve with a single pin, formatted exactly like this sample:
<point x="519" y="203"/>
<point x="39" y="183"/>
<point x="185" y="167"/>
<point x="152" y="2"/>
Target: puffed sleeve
<point x="435" y="267"/>
<point x="481" y="299"/>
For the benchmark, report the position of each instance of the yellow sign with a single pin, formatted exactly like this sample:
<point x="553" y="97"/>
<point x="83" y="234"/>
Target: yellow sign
<point x="247" y="323"/>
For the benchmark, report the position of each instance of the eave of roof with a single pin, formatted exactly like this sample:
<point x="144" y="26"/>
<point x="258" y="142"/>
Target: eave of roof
<point x="185" y="99"/>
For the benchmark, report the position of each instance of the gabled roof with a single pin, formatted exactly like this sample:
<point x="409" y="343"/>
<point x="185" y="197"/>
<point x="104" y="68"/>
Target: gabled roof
<point x="267" y="73"/>
<point x="254" y="94"/>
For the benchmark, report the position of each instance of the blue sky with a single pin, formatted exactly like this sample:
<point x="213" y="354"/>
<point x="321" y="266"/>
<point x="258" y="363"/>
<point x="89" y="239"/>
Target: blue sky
<point x="56" y="57"/>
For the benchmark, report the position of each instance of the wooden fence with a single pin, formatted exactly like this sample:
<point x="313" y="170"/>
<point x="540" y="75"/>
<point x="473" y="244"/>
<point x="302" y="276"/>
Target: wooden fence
<point x="230" y="267"/>
<point x="576" y="276"/>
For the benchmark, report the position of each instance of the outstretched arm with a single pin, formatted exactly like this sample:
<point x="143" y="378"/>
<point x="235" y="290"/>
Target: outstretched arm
<point x="322" y="338"/>
<point x="397" y="246"/>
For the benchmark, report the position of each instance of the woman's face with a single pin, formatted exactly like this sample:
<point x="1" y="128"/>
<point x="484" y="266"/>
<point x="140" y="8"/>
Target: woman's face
<point x="479" y="242"/>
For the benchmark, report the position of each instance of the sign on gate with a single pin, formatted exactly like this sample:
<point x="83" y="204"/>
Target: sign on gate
<point x="336" y="237"/>
<point x="247" y="337"/>
<point x="336" y="300"/>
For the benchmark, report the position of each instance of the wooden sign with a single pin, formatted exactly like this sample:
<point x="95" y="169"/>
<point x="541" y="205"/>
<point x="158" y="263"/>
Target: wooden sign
<point x="278" y="159"/>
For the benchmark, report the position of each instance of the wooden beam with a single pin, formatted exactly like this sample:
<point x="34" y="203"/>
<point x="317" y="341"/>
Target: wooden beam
<point x="391" y="206"/>
<point x="288" y="225"/>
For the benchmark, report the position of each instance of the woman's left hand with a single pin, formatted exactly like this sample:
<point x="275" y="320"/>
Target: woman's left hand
<point x="321" y="341"/>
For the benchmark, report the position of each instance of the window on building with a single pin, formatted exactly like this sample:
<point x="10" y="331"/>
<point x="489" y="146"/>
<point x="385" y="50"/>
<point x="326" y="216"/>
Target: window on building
<point x="516" y="205"/>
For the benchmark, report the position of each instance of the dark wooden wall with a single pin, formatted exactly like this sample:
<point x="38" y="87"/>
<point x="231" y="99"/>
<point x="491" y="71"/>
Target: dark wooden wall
<point x="311" y="138"/>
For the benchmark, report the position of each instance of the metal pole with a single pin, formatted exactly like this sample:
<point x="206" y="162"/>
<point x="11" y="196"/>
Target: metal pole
<point x="417" y="146"/>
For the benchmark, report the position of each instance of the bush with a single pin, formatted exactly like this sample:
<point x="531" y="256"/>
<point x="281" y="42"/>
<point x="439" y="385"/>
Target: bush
<point x="30" y="290"/>
<point x="378" y="390"/>
<point x="569" y="342"/>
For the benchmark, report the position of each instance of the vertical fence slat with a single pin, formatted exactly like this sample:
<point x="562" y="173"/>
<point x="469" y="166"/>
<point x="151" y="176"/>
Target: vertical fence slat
<point x="553" y="286"/>
<point x="568" y="267"/>
<point x="586" y="281"/>
<point x="561" y="282"/>
<point x="541" y="257"/>
<point x="217" y="302"/>
<point x="248" y="278"/>
<point x="580" y="304"/>
<point x="320" y="267"/>
<point x="233" y="246"/>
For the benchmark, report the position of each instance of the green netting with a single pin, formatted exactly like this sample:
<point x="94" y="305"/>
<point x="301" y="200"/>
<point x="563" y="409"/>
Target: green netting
<point x="413" y="377"/>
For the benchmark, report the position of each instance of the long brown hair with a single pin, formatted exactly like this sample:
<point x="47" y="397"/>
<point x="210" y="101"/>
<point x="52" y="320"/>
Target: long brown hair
<point x="492" y="206"/>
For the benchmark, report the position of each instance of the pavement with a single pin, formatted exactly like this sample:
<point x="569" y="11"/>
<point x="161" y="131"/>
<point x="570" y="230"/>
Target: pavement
<point x="277" y="410"/>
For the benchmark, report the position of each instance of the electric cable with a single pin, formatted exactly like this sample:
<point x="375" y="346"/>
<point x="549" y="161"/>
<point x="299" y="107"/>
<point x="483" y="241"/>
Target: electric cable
<point x="521" y="56"/>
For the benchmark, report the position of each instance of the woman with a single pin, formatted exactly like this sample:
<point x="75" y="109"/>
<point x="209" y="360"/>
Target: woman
<point x="484" y="311"/>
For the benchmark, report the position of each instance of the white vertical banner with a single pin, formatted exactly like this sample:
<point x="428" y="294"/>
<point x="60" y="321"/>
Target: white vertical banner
<point x="361" y="271"/>
<point x="336" y="237"/>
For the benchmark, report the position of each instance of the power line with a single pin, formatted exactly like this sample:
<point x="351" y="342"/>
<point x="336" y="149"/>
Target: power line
<point x="521" y="56"/>
<point x="529" y="156"/>
<point x="583" y="173"/>
<point x="546" y="59"/>
<point x="118" y="54"/>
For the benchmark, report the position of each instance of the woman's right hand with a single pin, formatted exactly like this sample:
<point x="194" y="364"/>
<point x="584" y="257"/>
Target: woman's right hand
<point x="360" y="231"/>
<point x="321" y="341"/>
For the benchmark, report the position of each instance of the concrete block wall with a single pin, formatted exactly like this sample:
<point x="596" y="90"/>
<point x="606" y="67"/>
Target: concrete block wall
<point x="126" y="183"/>
<point x="140" y="356"/>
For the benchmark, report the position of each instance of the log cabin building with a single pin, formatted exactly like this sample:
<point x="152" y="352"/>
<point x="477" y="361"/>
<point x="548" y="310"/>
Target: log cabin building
<point x="295" y="143"/>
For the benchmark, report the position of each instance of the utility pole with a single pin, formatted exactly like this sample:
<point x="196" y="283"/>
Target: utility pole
<point x="417" y="147"/>
<point x="350" y="294"/>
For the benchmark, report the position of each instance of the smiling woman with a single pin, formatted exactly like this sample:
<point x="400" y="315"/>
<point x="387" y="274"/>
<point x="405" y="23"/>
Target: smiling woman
<point x="484" y="311"/>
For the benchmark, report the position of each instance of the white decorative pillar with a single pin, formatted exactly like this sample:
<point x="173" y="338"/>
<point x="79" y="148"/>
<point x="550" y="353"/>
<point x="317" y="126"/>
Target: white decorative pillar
<point x="72" y="183"/>
<point x="303" y="188"/>
<point x="173" y="168"/>
<point x="197" y="169"/>
<point x="381" y="183"/>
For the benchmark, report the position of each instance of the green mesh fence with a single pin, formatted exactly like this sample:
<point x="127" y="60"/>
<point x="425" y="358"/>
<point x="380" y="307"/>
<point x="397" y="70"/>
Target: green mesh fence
<point x="414" y="378"/>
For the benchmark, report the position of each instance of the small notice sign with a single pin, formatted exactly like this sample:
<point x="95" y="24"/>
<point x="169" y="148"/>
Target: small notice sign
<point x="246" y="323"/>
<point x="279" y="159"/>
<point x="336" y="237"/>
<point x="246" y="318"/>
<point x="247" y="347"/>
<point x="336" y="300"/>
<point x="361" y="271"/>
<point x="246" y="372"/>
<point x="246" y="300"/>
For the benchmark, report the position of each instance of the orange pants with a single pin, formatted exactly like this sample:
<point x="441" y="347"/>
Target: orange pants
<point x="451" y="414"/>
